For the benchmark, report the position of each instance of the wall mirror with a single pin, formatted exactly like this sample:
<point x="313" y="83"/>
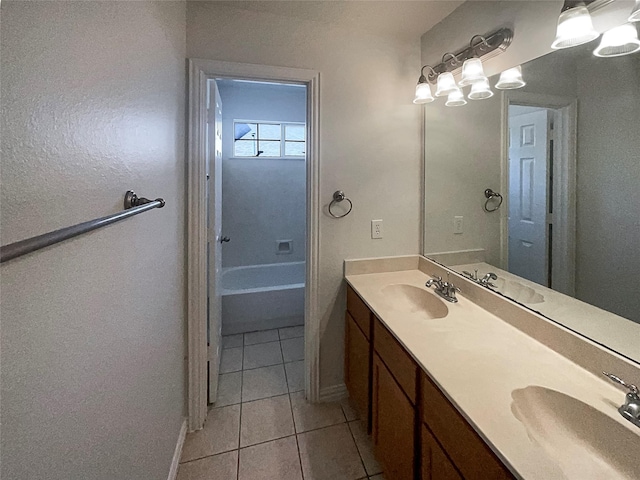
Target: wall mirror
<point x="564" y="154"/>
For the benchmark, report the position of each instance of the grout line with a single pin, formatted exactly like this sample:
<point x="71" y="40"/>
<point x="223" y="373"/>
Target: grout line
<point x="296" y="435"/>
<point x="239" y="435"/>
<point x="356" y="444"/>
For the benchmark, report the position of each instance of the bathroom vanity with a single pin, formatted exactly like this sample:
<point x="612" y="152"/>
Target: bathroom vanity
<point x="481" y="388"/>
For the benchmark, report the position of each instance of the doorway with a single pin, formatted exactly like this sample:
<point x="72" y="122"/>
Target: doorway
<point x="233" y="261"/>
<point x="539" y="165"/>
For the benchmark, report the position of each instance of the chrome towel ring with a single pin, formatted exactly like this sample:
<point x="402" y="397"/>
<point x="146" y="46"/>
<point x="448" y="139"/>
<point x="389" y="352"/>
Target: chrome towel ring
<point x="339" y="196"/>
<point x="489" y="195"/>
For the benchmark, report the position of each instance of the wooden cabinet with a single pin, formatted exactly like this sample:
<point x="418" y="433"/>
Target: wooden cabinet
<point x="435" y="463"/>
<point x="357" y="366"/>
<point x="393" y="425"/>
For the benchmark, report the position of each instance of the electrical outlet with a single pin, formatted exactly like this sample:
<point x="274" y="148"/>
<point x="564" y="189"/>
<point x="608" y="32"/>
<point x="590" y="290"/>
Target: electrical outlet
<point x="457" y="224"/>
<point x="376" y="228"/>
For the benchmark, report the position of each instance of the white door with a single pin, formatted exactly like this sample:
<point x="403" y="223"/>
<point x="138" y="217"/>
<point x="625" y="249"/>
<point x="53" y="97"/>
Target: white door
<point x="214" y="234"/>
<point x="528" y="179"/>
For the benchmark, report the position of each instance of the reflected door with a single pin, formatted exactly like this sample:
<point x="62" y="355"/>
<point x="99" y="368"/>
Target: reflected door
<point x="528" y="179"/>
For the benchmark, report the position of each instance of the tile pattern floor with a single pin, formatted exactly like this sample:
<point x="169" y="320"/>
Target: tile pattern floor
<point x="262" y="428"/>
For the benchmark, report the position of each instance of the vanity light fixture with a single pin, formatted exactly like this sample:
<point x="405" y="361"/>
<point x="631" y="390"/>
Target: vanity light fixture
<point x="635" y="13"/>
<point x="480" y="91"/>
<point x="574" y="26"/>
<point x="423" y="89"/>
<point x="469" y="58"/>
<point x="456" y="99"/>
<point x="511" y="79"/>
<point x="620" y="40"/>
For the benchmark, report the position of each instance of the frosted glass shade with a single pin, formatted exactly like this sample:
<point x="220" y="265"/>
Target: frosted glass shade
<point x="446" y="84"/>
<point x="510" y="79"/>
<point x="423" y="94"/>
<point x="574" y="28"/>
<point x="480" y="91"/>
<point x="472" y="72"/>
<point x="635" y="13"/>
<point x="456" y="99"/>
<point x="621" y="40"/>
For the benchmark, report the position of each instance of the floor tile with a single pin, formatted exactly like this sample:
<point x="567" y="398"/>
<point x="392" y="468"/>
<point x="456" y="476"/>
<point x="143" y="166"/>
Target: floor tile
<point x="261" y="337"/>
<point x="377" y="477"/>
<point x="231" y="360"/>
<point x="295" y="375"/>
<point x="266" y="419"/>
<point x="221" y="467"/>
<point x="330" y="453"/>
<point x="309" y="416"/>
<point x="349" y="410"/>
<point x="276" y="460"/>
<point x="262" y="355"/>
<point x="365" y="447"/>
<point x="229" y="389"/>
<point x="263" y="382"/>
<point x="291" y="332"/>
<point x="232" y="341"/>
<point x="220" y="434"/>
<point x="293" y="349"/>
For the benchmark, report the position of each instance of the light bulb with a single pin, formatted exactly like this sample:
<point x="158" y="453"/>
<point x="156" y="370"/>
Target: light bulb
<point x="635" y="13"/>
<point x="456" y="99"/>
<point x="510" y="79"/>
<point x="574" y="28"/>
<point x="446" y="84"/>
<point x="472" y="72"/>
<point x="620" y="40"/>
<point x="423" y="94"/>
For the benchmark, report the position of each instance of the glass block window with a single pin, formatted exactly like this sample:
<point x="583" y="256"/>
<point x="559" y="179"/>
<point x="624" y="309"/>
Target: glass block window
<point x="255" y="139"/>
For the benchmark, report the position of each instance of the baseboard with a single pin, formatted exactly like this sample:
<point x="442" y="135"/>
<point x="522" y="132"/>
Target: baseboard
<point x="173" y="471"/>
<point x="333" y="393"/>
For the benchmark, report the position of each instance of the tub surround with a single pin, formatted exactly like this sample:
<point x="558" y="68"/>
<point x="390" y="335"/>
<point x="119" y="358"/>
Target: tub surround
<point x="485" y="353"/>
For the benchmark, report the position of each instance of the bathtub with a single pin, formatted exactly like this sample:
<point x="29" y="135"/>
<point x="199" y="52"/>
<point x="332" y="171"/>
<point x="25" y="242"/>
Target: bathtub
<point x="261" y="297"/>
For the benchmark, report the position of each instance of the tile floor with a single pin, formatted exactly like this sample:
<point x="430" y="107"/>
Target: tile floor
<point x="262" y="428"/>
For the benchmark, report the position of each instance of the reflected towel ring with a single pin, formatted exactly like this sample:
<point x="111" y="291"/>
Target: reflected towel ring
<point x="489" y="194"/>
<point x="339" y="196"/>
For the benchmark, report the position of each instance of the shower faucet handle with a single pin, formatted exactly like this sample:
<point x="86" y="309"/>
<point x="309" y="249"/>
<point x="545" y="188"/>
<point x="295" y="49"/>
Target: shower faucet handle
<point x="224" y="239"/>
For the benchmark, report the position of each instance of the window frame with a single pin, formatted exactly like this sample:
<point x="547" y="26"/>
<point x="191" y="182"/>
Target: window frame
<point x="282" y="139"/>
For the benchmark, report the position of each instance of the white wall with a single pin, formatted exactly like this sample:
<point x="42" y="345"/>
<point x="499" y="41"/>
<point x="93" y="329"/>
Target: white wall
<point x="93" y="328"/>
<point x="369" y="135"/>
<point x="263" y="200"/>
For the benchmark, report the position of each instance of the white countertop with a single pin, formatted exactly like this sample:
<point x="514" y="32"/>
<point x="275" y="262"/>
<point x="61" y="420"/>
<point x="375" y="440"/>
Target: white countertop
<point x="478" y="360"/>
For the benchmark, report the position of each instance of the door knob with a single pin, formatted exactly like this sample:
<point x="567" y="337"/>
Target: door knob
<point x="224" y="239"/>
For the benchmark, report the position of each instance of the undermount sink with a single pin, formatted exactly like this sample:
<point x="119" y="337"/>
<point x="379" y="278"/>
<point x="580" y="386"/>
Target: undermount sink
<point x="518" y="292"/>
<point x="584" y="442"/>
<point x="412" y="299"/>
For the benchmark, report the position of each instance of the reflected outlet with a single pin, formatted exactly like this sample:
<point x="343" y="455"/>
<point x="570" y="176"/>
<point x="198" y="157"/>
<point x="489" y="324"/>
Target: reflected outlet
<point x="457" y="224"/>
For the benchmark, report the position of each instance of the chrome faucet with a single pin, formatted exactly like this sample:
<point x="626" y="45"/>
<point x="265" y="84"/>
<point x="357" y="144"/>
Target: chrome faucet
<point x="446" y="290"/>
<point x="631" y="408"/>
<point x="486" y="280"/>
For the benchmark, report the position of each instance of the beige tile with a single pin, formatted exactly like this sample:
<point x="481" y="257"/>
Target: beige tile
<point x="330" y="453"/>
<point x="231" y="360"/>
<point x="261" y="337"/>
<point x="221" y="467"/>
<point x="295" y="375"/>
<point x="229" y="389"/>
<point x="291" y="332"/>
<point x="309" y="416"/>
<point x="220" y="434"/>
<point x="293" y="349"/>
<point x="232" y="341"/>
<point x="365" y="447"/>
<point x="266" y="419"/>
<point x="276" y="460"/>
<point x="377" y="477"/>
<point x="262" y="355"/>
<point x="263" y="382"/>
<point x="349" y="410"/>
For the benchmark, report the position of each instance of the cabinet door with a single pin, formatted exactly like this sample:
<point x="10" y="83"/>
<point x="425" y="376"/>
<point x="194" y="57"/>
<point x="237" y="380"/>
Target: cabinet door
<point x="393" y="425"/>
<point x="356" y="368"/>
<point x="435" y="464"/>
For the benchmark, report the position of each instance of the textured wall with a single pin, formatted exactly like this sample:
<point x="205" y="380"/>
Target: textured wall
<point x="263" y="200"/>
<point x="369" y="135"/>
<point x="93" y="328"/>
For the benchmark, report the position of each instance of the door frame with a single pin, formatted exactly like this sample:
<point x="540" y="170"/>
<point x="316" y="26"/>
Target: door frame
<point x="564" y="173"/>
<point x="200" y="72"/>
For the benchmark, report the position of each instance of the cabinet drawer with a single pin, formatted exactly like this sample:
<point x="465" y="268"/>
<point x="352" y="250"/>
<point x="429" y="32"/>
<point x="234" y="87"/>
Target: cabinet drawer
<point x="359" y="311"/>
<point x="397" y="360"/>
<point x="473" y="458"/>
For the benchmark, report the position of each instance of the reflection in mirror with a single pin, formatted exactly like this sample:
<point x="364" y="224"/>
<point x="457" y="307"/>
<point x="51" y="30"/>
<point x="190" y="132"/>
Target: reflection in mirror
<point x="564" y="153"/>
